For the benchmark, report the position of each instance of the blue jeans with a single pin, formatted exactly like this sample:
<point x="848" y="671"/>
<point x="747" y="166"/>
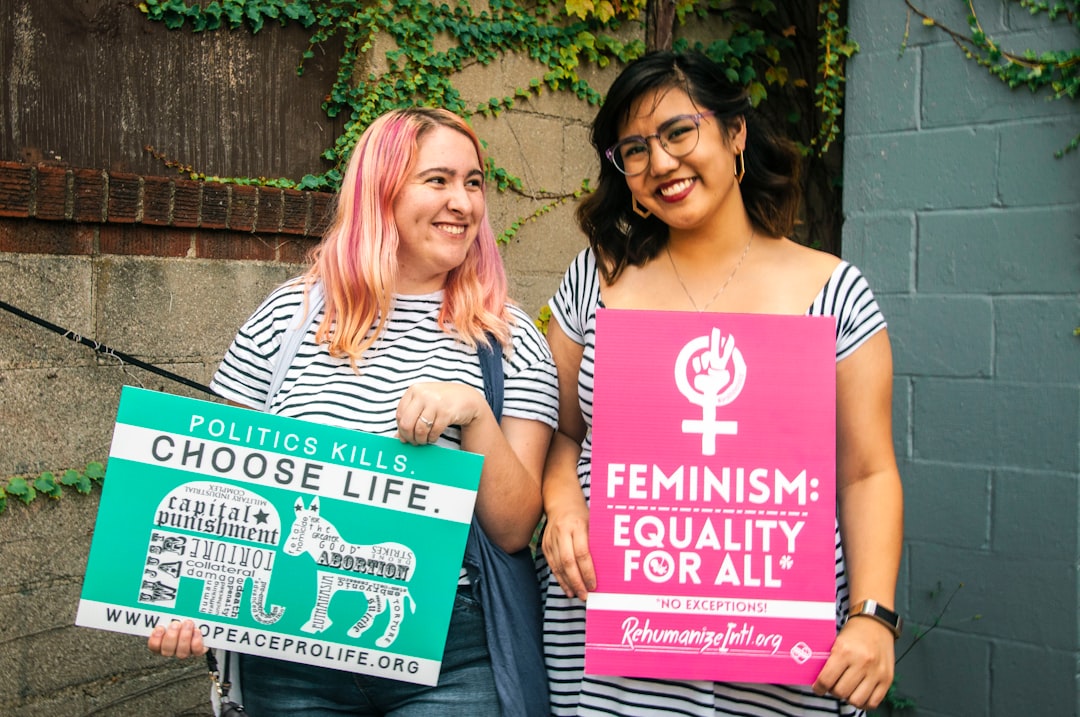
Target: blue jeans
<point x="275" y="688"/>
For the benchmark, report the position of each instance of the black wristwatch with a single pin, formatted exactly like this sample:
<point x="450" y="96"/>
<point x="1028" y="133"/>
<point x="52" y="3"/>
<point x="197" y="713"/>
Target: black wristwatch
<point x="873" y="609"/>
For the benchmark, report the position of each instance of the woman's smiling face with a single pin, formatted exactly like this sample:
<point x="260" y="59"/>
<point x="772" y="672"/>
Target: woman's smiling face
<point x="438" y="210"/>
<point x="689" y="191"/>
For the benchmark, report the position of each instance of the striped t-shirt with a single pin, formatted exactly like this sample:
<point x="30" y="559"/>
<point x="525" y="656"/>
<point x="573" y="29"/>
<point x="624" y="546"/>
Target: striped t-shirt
<point x="845" y="296"/>
<point x="412" y="349"/>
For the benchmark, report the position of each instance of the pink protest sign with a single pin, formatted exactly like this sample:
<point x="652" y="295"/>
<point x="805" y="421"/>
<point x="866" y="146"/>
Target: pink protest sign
<point x="713" y="496"/>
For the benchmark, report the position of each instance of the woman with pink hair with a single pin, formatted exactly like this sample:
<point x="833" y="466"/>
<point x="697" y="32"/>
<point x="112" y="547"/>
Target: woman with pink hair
<point x="415" y="291"/>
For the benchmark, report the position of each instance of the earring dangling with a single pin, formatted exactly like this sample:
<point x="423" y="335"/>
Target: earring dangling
<point x="640" y="210"/>
<point x="740" y="167"/>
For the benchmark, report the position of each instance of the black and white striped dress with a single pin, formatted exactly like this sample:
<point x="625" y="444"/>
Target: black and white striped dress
<point x="847" y="296"/>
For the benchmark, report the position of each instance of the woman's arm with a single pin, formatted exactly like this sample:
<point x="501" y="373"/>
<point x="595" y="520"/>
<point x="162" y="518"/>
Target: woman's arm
<point x="870" y="503"/>
<point x="508" y="503"/>
<point x="566" y="536"/>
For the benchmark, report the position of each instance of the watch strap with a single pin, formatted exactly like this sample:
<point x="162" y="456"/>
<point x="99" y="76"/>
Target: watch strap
<point x="875" y="610"/>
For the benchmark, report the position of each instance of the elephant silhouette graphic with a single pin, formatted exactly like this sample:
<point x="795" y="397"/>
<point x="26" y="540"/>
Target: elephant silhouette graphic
<point x="230" y="536"/>
<point x="377" y="563"/>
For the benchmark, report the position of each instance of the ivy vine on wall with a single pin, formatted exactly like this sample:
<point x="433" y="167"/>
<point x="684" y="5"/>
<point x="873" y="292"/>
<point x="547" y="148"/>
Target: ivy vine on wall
<point x="429" y="44"/>
<point x="28" y="488"/>
<point x="1055" y="73"/>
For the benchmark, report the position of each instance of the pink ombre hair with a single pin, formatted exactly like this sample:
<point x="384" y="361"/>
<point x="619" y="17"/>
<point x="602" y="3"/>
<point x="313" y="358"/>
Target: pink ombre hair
<point x="357" y="258"/>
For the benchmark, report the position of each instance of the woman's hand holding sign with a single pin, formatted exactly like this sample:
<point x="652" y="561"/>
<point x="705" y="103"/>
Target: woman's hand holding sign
<point x="566" y="547"/>
<point x="179" y="639"/>
<point x="860" y="667"/>
<point x="428" y="408"/>
<point x="565" y="543"/>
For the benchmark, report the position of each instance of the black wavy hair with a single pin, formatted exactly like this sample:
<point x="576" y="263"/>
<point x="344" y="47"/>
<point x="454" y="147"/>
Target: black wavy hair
<point x="770" y="189"/>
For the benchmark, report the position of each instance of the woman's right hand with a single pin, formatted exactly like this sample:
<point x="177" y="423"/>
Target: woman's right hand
<point x="566" y="534"/>
<point x="179" y="639"/>
<point x="566" y="547"/>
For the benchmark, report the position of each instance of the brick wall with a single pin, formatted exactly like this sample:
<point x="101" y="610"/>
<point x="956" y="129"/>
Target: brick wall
<point x="116" y="213"/>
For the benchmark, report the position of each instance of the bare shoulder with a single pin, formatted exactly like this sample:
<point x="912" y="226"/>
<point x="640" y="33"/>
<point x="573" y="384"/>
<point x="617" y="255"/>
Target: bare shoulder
<point x="786" y="277"/>
<point x="639" y="287"/>
<point x="804" y="259"/>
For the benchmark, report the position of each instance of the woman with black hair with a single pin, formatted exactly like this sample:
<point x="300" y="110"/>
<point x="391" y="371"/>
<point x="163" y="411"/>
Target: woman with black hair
<point x="695" y="201"/>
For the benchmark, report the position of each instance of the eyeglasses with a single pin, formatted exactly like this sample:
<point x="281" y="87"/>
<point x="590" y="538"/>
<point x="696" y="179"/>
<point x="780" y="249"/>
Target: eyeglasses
<point x="678" y="136"/>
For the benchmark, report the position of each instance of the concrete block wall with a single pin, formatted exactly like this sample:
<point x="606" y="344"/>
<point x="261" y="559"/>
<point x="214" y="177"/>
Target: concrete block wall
<point x="137" y="264"/>
<point x="968" y="229"/>
<point x="161" y="269"/>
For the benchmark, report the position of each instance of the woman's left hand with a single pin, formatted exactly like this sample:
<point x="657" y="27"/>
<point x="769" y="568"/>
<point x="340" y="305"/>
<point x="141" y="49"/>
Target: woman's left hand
<point x="860" y="666"/>
<point x="427" y="409"/>
<point x="508" y="502"/>
<point x="870" y="504"/>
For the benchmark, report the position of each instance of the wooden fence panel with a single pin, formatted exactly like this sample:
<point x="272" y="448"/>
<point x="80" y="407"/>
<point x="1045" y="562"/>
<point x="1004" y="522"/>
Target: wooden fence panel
<point x="90" y="84"/>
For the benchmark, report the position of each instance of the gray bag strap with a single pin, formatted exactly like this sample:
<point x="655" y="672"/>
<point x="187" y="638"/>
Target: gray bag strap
<point x="292" y="339"/>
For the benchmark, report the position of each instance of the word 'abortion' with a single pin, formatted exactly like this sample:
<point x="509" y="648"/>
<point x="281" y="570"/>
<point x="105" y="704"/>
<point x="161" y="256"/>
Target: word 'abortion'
<point x="758" y="486"/>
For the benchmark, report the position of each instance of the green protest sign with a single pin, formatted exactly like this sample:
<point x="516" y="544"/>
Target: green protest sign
<point x="279" y="537"/>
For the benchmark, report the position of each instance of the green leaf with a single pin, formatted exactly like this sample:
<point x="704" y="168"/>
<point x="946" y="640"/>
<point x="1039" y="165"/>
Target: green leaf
<point x="255" y="17"/>
<point x="46" y="483"/>
<point x="173" y="21"/>
<point x="21" y="489"/>
<point x="235" y="15"/>
<point x="757" y="93"/>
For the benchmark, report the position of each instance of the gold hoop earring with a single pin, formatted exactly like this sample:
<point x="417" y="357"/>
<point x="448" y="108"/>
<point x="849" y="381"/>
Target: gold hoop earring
<point x="640" y="210"/>
<point x="740" y="167"/>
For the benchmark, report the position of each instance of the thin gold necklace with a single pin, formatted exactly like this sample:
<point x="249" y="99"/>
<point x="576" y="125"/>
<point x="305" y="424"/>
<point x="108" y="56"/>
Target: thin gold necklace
<point x="745" y="251"/>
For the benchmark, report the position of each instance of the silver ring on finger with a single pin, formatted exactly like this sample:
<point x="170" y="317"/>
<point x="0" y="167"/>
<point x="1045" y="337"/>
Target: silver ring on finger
<point x="426" y="422"/>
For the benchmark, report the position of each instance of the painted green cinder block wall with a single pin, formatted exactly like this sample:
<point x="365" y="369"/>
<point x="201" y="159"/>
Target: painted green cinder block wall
<point x="968" y="229"/>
